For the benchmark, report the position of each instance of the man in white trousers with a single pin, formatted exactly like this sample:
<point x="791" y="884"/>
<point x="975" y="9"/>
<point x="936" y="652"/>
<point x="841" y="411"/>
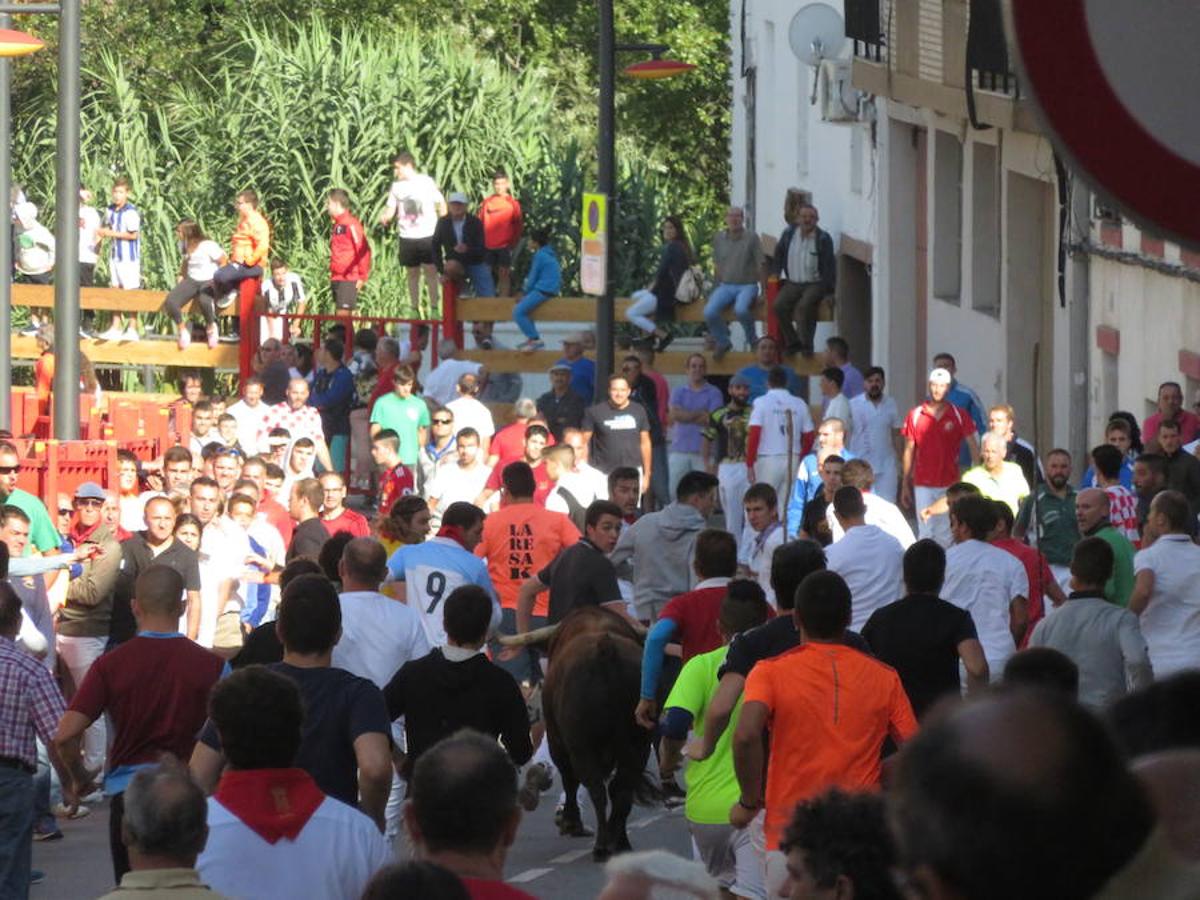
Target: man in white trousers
<point x="780" y="427"/>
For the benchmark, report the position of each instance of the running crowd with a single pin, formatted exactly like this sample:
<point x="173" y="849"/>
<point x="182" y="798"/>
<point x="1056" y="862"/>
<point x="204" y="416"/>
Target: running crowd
<point x="271" y="687"/>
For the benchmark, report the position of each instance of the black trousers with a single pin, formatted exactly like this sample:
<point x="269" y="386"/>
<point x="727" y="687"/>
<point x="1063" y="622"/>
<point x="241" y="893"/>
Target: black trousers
<point x="807" y="296"/>
<point x="116" y="846"/>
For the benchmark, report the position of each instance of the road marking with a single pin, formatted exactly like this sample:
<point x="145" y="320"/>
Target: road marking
<point x="528" y="875"/>
<point x="571" y="856"/>
<point x="649" y="820"/>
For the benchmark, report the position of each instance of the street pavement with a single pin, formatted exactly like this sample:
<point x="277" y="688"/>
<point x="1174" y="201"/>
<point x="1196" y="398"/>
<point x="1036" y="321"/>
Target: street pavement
<point x="541" y="862"/>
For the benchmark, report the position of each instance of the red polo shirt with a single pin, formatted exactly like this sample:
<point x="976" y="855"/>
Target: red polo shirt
<point x="695" y="616"/>
<point x="937" y="439"/>
<point x="1037" y="570"/>
<point x="350" y="521"/>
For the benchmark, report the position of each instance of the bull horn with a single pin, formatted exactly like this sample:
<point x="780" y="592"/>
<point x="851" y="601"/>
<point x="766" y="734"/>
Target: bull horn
<point x="537" y="636"/>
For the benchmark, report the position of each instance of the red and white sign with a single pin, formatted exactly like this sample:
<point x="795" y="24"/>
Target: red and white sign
<point x="1116" y="82"/>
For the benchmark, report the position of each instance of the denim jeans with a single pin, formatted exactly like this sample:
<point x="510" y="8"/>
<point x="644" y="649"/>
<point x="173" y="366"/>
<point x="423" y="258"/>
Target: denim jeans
<point x="16" y="832"/>
<point x="481" y="279"/>
<point x="525" y="306"/>
<point x="43" y="784"/>
<point x="742" y="297"/>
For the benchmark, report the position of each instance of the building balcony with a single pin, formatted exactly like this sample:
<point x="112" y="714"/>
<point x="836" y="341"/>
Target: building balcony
<point x="948" y="55"/>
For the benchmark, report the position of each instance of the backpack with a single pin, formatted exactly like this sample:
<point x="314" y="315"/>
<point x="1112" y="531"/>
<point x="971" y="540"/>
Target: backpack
<point x="576" y="511"/>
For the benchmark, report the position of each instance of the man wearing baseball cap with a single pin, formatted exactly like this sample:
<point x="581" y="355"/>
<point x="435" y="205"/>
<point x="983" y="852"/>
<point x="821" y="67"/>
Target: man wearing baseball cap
<point x="85" y="617"/>
<point x="458" y="250"/>
<point x="583" y="370"/>
<point x="932" y="434"/>
<point x="560" y="406"/>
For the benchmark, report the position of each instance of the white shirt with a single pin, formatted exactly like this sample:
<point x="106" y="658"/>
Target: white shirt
<point x="452" y="483"/>
<point x="204" y="260"/>
<point x="379" y="635"/>
<point x="874" y="426"/>
<point x="770" y="412"/>
<point x="89" y="243"/>
<point x="880" y="512"/>
<point x="872" y="563"/>
<point x="838" y="407"/>
<point x="583" y="489"/>
<point x="442" y="382"/>
<point x="224" y="547"/>
<point x="250" y="423"/>
<point x="469" y="412"/>
<point x="414" y="202"/>
<point x="1171" y="620"/>
<point x="285" y="299"/>
<point x="133" y="512"/>
<point x="333" y="857"/>
<point x="597" y="480"/>
<point x="760" y="550"/>
<point x="983" y="580"/>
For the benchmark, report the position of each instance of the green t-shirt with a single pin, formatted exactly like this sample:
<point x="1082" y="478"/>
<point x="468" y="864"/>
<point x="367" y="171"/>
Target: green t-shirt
<point x="43" y="536"/>
<point x="404" y="416"/>
<point x="1120" y="586"/>
<point x="712" y="786"/>
<point x="1060" y="533"/>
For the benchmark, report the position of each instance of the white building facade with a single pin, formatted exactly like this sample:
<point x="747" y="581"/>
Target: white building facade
<point x="951" y="217"/>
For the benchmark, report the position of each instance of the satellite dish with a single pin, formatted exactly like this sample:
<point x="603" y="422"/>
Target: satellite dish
<point x="817" y="33"/>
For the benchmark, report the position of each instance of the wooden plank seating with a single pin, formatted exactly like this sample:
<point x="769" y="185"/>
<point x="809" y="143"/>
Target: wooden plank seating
<point x="466" y="309"/>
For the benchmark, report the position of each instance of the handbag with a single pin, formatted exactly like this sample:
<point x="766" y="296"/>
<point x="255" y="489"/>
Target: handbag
<point x="691" y="285"/>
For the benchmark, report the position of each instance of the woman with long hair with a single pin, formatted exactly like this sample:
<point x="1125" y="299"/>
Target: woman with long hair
<point x="659" y="297"/>
<point x="201" y="259"/>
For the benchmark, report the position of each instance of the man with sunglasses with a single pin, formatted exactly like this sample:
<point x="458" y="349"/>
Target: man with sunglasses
<point x="442" y="447"/>
<point x="85" y="617"/>
<point x="42" y="535"/>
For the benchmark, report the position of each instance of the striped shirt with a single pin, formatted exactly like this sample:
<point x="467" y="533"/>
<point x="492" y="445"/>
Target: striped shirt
<point x="128" y="219"/>
<point x="30" y="704"/>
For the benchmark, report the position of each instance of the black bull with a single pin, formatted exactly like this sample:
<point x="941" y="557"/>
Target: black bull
<point x="591" y="690"/>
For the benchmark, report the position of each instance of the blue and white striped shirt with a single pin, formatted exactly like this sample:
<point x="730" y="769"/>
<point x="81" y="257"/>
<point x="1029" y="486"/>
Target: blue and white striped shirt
<point x="127" y="219"/>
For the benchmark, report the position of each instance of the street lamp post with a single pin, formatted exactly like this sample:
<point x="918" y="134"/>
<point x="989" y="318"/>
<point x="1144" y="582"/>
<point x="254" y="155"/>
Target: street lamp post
<point x="66" y="228"/>
<point x="606" y="170"/>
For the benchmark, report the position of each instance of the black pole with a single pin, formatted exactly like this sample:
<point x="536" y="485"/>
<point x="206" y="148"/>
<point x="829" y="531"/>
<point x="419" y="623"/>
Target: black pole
<point x="6" y="245"/>
<point x="606" y="175"/>
<point x="66" y="229"/>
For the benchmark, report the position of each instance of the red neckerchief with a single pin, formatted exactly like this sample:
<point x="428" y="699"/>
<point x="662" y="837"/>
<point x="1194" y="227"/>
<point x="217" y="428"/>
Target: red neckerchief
<point x="273" y="803"/>
<point x="455" y="533"/>
<point x="79" y="535"/>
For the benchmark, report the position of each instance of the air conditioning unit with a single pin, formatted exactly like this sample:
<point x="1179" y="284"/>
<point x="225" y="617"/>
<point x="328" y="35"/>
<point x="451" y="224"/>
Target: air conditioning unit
<point x="839" y="98"/>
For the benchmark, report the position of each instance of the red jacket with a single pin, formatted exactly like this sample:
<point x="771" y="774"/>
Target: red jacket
<point x="349" y="252"/>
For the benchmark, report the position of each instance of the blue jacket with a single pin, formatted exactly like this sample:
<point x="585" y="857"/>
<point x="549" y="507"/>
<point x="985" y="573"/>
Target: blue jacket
<point x="806" y="486"/>
<point x="333" y="393"/>
<point x="545" y="275"/>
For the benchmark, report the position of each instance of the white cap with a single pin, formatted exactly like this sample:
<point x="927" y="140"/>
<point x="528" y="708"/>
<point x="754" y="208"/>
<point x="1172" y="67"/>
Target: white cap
<point x="940" y="376"/>
<point x="457" y="197"/>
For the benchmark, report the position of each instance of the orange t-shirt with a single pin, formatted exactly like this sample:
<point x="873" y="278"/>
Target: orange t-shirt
<point x="251" y="241"/>
<point x="43" y="380"/>
<point x="829" y="709"/>
<point x="518" y="542"/>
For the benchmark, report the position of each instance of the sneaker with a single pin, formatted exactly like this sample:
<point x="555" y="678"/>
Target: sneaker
<point x="131" y="334"/>
<point x="112" y="333"/>
<point x="36" y="876"/>
<point x="213" y="336"/>
<point x="185" y="338"/>
<point x="63" y="812"/>
<point x="664" y="342"/>
<point x="31" y="331"/>
<point x="93" y="798"/>
<point x="537" y="780"/>
<point x="531" y="345"/>
<point x="47" y="834"/>
<point x="720" y="351"/>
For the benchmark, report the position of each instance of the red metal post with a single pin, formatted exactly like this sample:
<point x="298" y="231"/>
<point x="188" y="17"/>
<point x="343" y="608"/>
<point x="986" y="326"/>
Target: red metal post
<point x="451" y="326"/>
<point x="248" y="292"/>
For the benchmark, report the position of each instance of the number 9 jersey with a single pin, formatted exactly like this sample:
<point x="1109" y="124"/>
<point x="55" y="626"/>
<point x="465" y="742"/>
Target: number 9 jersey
<point x="430" y="571"/>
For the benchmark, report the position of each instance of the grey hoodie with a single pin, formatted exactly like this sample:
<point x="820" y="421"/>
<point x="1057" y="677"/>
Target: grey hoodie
<point x="660" y="545"/>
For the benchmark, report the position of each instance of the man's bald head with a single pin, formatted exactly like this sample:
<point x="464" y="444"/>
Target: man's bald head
<point x="364" y="564"/>
<point x="1021" y="776"/>
<point x="1091" y="509"/>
